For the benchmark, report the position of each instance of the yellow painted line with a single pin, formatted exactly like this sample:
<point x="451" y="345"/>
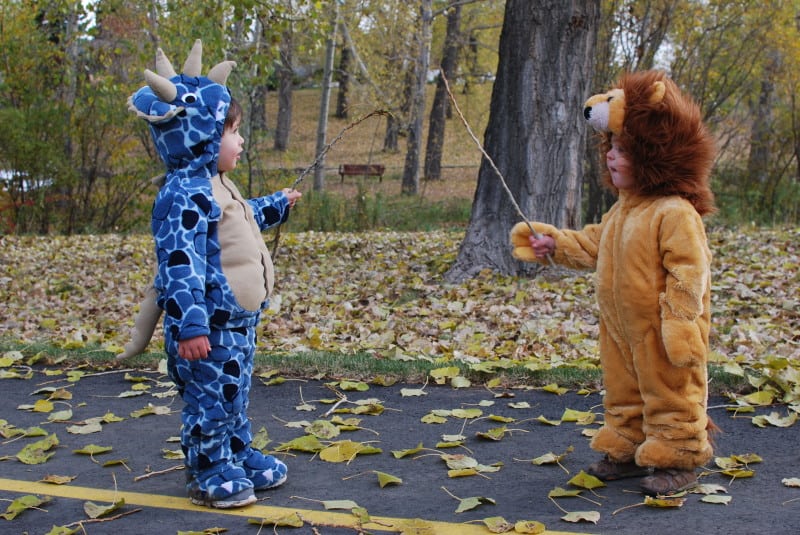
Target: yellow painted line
<point x="256" y="511"/>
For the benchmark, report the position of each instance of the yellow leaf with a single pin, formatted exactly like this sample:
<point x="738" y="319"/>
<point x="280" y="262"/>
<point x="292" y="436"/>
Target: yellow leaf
<point x="57" y="480"/>
<point x="722" y="500"/>
<point x="431" y="418"/>
<point x="586" y="481"/>
<point x="43" y="405"/>
<point x="748" y="458"/>
<point x="292" y="520"/>
<point x="553" y="388"/>
<point x="582" y="516"/>
<point x="497" y="524"/>
<point x="308" y="443"/>
<point x="558" y="492"/>
<point x="664" y="502"/>
<point x="94" y="510"/>
<point x="93" y="449"/>
<point x="387" y="479"/>
<point x="544" y="420"/>
<point x="762" y="397"/>
<point x="339" y="504"/>
<point x="529" y="526"/>
<point x="462" y="472"/>
<point x="342" y="451"/>
<point x="466" y="413"/>
<point x="440" y="375"/>
<point x="579" y="417"/>
<point x="23" y="503"/>
<point x="36" y="452"/>
<point x="399" y="454"/>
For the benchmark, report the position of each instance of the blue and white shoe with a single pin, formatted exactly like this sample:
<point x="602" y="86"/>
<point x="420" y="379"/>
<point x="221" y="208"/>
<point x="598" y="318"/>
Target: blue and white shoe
<point x="223" y="489"/>
<point x="264" y="471"/>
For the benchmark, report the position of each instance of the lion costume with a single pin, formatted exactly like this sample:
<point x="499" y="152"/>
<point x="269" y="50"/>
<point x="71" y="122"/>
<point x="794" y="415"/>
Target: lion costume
<point x="653" y="283"/>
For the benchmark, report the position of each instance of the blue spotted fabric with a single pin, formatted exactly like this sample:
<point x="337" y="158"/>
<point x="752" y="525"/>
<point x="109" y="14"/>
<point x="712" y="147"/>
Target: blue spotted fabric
<point x="214" y="276"/>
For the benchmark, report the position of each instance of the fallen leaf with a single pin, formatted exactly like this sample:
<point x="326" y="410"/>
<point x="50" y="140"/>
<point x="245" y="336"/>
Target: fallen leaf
<point x="94" y="510"/>
<point x="22" y="504"/>
<point x="582" y="516"/>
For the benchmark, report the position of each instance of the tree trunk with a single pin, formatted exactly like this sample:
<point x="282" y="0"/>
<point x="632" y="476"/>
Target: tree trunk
<point x="436" y="123"/>
<point x="392" y="135"/>
<point x="395" y="125"/>
<point x="343" y="77"/>
<point x="536" y="132"/>
<point x="410" y="184"/>
<point x="322" y="126"/>
<point x="285" y="78"/>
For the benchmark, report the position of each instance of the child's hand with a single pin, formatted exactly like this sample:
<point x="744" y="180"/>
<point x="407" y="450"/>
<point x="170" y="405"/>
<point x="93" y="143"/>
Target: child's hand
<point x="292" y="195"/>
<point x="196" y="348"/>
<point x="543" y="247"/>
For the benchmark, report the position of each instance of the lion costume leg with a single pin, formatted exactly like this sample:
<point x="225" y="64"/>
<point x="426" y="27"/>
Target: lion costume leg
<point x="675" y="403"/>
<point x="622" y="431"/>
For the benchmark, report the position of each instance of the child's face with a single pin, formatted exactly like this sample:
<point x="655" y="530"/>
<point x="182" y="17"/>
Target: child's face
<point x="230" y="148"/>
<point x="619" y="166"/>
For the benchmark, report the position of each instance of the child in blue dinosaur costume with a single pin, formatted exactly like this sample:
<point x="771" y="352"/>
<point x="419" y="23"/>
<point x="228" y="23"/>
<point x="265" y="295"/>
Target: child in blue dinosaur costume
<point x="214" y="276"/>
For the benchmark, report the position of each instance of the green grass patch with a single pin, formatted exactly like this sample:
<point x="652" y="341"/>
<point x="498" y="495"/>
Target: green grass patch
<point x="331" y="366"/>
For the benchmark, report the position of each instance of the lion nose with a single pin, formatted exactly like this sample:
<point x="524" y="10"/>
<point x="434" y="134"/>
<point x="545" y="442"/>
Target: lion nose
<point x="587" y="112"/>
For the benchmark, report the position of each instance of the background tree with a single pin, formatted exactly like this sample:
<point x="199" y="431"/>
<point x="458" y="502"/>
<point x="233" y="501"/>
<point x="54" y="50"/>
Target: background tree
<point x="322" y="128"/>
<point x="432" y="169"/>
<point x="343" y="79"/>
<point x="283" y="123"/>
<point x="410" y="179"/>
<point x="535" y="133"/>
<point x="630" y="35"/>
<point x="724" y="54"/>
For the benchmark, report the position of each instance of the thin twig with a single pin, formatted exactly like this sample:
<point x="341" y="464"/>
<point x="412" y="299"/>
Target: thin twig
<point x="159" y="472"/>
<point x="333" y="142"/>
<point x="491" y="162"/>
<point x="316" y="162"/>
<point x="104" y="519"/>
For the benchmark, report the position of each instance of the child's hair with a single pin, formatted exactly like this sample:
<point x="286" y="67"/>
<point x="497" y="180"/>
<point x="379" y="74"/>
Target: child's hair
<point x="234" y="114"/>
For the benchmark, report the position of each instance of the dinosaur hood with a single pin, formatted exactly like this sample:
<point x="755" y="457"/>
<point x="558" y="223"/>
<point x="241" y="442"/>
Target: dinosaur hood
<point x="186" y="112"/>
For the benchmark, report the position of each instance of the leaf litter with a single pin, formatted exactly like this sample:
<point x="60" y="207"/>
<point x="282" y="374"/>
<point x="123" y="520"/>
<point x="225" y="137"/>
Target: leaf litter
<point x="451" y="323"/>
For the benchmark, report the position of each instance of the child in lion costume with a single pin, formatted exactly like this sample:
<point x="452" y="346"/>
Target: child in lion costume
<point x="652" y="264"/>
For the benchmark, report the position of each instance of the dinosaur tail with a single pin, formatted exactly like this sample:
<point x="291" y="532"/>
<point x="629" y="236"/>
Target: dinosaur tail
<point x="143" y="325"/>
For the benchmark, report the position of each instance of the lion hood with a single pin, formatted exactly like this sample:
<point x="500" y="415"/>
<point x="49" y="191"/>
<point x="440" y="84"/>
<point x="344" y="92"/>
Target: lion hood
<point x="662" y="131"/>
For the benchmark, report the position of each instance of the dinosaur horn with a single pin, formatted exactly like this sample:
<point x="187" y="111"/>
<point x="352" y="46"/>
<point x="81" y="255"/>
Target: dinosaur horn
<point x="194" y="61"/>
<point x="163" y="88"/>
<point x="219" y="72"/>
<point x="163" y="65"/>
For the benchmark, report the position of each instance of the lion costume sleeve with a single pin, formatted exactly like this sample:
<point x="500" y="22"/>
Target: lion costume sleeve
<point x="652" y="264"/>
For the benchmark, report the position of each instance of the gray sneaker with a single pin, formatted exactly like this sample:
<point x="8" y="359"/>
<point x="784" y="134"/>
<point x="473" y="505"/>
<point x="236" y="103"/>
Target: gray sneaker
<point x="240" y="499"/>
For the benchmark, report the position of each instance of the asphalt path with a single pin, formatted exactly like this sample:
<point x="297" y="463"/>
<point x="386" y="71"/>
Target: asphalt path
<point x="137" y="471"/>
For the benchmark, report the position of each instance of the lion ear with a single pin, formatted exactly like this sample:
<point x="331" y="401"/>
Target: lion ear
<point x="658" y="92"/>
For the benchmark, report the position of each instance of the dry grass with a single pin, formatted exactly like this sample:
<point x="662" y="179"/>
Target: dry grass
<point x="364" y="143"/>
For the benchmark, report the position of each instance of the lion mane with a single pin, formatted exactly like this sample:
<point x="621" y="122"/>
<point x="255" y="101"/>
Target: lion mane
<point x="663" y="134"/>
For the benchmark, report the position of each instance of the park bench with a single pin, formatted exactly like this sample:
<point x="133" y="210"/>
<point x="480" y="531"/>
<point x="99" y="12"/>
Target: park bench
<point x="351" y="169"/>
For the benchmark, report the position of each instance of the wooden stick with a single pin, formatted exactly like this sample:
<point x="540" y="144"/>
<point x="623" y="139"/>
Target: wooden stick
<point x="333" y="142"/>
<point x="319" y="157"/>
<point x="491" y="162"/>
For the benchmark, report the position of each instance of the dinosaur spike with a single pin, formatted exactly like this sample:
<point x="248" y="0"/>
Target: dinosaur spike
<point x="162" y="87"/>
<point x="163" y="65"/>
<point x="219" y="72"/>
<point x="194" y="62"/>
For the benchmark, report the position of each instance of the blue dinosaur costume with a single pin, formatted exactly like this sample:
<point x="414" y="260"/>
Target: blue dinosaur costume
<point x="214" y="276"/>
